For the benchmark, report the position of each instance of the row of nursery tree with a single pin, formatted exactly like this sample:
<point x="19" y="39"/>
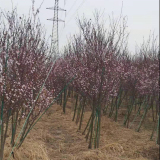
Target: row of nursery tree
<point x="95" y="69"/>
<point x="108" y="78"/>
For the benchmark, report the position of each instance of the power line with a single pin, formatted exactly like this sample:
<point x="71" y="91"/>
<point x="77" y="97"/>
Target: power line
<point x="69" y="10"/>
<point x="73" y="15"/>
<point x="76" y="11"/>
<point x="72" y="6"/>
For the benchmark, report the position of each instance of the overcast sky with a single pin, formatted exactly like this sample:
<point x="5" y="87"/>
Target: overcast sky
<point x="143" y="15"/>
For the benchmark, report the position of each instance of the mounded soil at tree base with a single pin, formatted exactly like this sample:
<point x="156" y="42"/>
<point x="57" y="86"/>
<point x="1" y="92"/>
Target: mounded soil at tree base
<point x="55" y="137"/>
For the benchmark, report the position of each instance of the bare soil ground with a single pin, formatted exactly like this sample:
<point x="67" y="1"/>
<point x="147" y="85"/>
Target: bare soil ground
<point x="55" y="137"/>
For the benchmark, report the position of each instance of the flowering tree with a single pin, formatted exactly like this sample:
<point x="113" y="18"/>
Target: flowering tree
<point x="107" y="76"/>
<point x="23" y="61"/>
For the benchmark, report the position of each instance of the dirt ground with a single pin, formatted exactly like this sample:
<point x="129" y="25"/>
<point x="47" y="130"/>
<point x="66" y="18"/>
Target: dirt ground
<point x="55" y="137"/>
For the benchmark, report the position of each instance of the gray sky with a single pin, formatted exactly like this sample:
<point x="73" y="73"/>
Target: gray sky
<point x="143" y="15"/>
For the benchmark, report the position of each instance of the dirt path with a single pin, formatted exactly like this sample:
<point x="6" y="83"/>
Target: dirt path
<point x="55" y="137"/>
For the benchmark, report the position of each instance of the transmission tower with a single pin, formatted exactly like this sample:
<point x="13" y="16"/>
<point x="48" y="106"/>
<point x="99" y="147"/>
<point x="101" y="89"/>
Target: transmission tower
<point x="54" y="50"/>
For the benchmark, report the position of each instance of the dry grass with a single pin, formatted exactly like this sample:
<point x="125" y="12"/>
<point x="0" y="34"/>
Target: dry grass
<point x="55" y="137"/>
